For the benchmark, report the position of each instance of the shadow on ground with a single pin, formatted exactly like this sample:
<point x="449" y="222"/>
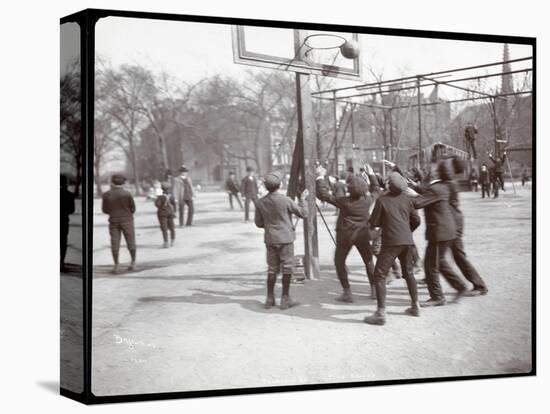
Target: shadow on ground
<point x="317" y="298"/>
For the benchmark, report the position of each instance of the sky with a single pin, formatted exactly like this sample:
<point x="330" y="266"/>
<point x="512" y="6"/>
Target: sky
<point x="191" y="51"/>
<point x="69" y="45"/>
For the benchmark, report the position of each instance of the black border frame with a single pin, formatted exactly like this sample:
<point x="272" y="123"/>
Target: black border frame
<point x="87" y="19"/>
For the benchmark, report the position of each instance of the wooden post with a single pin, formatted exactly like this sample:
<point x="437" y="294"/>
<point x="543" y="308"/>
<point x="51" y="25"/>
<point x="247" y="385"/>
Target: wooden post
<point x="307" y="161"/>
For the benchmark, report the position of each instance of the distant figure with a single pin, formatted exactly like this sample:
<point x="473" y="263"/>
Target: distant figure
<point x="351" y="173"/>
<point x="274" y="214"/>
<point x="485" y="181"/>
<point x="340" y="186"/>
<point x="166" y="212"/>
<point x="67" y="208"/>
<point x="473" y="179"/>
<point x="232" y="188"/>
<point x="249" y="188"/>
<point x="470" y="135"/>
<point x="498" y="164"/>
<point x="184" y="194"/>
<point x="119" y="205"/>
<point x="495" y="184"/>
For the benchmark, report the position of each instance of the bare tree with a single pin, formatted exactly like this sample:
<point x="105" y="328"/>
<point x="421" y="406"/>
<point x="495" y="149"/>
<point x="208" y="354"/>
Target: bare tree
<point x="124" y="89"/>
<point x="71" y="122"/>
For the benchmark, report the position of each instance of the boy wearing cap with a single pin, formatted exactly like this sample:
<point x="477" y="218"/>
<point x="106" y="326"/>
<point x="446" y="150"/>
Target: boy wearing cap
<point x="249" y="190"/>
<point x="395" y="214"/>
<point x="119" y="205"/>
<point x="274" y="214"/>
<point x="166" y="212"/>
<point x="351" y="226"/>
<point x="184" y="194"/>
<point x="440" y="234"/>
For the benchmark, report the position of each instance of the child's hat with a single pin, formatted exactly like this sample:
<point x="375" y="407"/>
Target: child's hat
<point x="397" y="183"/>
<point x="272" y="179"/>
<point x="118" y="179"/>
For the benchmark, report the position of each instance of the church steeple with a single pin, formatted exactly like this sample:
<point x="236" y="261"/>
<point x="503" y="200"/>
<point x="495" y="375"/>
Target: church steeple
<point x="506" y="85"/>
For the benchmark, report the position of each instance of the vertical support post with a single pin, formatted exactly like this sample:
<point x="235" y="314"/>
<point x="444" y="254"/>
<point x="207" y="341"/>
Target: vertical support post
<point x="306" y="136"/>
<point x="495" y="125"/>
<point x="511" y="175"/>
<point x="335" y="133"/>
<point x="391" y="135"/>
<point x="419" y="103"/>
<point x="352" y="127"/>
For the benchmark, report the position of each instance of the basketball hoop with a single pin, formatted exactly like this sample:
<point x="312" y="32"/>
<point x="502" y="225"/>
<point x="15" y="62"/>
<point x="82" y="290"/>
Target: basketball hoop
<point x="326" y="41"/>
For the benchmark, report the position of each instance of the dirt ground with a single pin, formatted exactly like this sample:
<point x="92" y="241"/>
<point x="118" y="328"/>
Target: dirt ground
<point x="191" y="316"/>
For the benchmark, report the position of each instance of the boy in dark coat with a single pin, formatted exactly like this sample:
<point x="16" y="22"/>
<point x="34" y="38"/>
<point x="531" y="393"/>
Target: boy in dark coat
<point x="440" y="234"/>
<point x="119" y="205"/>
<point x="457" y="247"/>
<point x="274" y="214"/>
<point x="67" y="208"/>
<point x="498" y="164"/>
<point x="485" y="181"/>
<point x="166" y="212"/>
<point x="184" y="194"/>
<point x="249" y="188"/>
<point x="473" y="179"/>
<point x="233" y="190"/>
<point x="351" y="227"/>
<point x="470" y="136"/>
<point x="394" y="212"/>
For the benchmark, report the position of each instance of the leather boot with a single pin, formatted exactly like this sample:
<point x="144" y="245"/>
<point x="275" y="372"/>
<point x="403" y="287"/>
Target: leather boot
<point x="345" y="297"/>
<point x="286" y="300"/>
<point x="378" y="318"/>
<point x="270" y="298"/>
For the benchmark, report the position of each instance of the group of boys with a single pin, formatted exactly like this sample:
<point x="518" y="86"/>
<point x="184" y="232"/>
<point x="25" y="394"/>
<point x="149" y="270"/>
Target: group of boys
<point x="490" y="179"/>
<point x="119" y="205"/>
<point x="395" y="216"/>
<point x="248" y="188"/>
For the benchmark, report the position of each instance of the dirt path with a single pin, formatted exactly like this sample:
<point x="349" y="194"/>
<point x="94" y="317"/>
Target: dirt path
<point x="191" y="317"/>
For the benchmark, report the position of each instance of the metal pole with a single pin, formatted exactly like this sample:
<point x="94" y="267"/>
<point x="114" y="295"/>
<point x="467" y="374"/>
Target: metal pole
<point x="431" y="82"/>
<point x="307" y="164"/>
<point x="424" y="74"/>
<point x="495" y="125"/>
<point x="418" y="100"/>
<point x="352" y="127"/>
<point x="335" y="134"/>
<point x="391" y="134"/>
<point x="511" y="175"/>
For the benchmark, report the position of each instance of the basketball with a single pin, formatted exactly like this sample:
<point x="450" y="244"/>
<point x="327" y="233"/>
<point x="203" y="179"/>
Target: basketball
<point x="350" y="49"/>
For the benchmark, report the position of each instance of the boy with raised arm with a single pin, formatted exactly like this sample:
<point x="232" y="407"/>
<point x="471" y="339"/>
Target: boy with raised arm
<point x="351" y="226"/>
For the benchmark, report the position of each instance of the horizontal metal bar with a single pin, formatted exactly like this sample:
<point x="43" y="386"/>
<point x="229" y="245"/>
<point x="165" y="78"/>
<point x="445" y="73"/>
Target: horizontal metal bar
<point x="489" y="75"/>
<point x="355" y="103"/>
<point x="462" y="100"/>
<point x="425" y="74"/>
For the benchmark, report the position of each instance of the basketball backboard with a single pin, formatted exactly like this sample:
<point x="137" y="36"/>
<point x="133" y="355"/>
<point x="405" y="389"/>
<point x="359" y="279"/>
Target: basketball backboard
<point x="310" y="52"/>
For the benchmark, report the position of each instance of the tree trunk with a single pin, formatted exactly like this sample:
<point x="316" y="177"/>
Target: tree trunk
<point x="78" y="163"/>
<point x="133" y="160"/>
<point x="97" y="176"/>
